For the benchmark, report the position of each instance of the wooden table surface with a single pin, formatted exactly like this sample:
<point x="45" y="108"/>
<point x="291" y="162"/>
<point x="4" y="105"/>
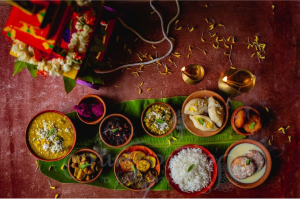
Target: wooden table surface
<point x="277" y="87"/>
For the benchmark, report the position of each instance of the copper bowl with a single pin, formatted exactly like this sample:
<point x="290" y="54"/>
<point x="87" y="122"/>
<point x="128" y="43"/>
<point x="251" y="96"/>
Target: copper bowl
<point x="91" y="98"/>
<point x="268" y="163"/>
<point x="121" y="116"/>
<point x="188" y="122"/>
<point x="241" y="131"/>
<point x="174" y="120"/>
<point x="213" y="174"/>
<point x="147" y="151"/>
<point x="80" y="151"/>
<point x="27" y="143"/>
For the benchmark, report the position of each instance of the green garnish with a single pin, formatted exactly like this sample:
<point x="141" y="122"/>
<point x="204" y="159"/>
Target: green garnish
<point x="114" y="130"/>
<point x="200" y="121"/>
<point x="84" y="165"/>
<point x="134" y="170"/>
<point x="248" y="161"/>
<point x="190" y="168"/>
<point x="51" y="131"/>
<point x="159" y="121"/>
<point x="252" y="125"/>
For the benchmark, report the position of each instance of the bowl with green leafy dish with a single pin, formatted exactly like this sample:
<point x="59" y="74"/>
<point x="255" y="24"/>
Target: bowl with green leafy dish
<point x="159" y="119"/>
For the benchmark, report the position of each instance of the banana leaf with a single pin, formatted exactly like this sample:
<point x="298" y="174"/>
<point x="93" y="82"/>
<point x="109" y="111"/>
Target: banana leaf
<point x="88" y="137"/>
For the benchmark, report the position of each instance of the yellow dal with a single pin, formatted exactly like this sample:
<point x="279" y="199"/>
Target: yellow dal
<point x="56" y="119"/>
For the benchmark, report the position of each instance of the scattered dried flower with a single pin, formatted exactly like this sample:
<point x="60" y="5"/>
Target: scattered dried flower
<point x="177" y="54"/>
<point x="63" y="167"/>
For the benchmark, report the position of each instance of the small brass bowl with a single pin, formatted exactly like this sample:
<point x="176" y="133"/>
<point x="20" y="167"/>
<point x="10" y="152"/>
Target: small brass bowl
<point x="193" y="74"/>
<point x="243" y="82"/>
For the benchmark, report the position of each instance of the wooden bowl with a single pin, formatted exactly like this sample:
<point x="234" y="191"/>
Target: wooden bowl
<point x="147" y="151"/>
<point x="188" y="122"/>
<point x="95" y="99"/>
<point x="268" y="163"/>
<point x="80" y="151"/>
<point x="121" y="116"/>
<point x="27" y="142"/>
<point x="175" y="186"/>
<point x="241" y="131"/>
<point x="174" y="120"/>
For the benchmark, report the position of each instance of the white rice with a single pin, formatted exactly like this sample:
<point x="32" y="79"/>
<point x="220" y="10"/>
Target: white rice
<point x="200" y="175"/>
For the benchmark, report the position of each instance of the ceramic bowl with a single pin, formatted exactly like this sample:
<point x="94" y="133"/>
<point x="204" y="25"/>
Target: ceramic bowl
<point x="248" y="110"/>
<point x="213" y="175"/>
<point x="174" y="120"/>
<point x="268" y="163"/>
<point x="93" y="99"/>
<point x="81" y="151"/>
<point x="101" y="130"/>
<point x="27" y="142"/>
<point x="147" y="151"/>
<point x="188" y="122"/>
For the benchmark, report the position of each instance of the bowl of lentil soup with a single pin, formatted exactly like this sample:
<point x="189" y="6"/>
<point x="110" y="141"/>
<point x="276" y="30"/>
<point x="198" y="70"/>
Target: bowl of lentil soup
<point x="50" y="135"/>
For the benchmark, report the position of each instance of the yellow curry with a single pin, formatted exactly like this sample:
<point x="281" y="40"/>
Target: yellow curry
<point x="50" y="135"/>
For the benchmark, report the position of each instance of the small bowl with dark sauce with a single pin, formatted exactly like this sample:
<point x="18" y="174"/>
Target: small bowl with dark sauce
<point x="116" y="130"/>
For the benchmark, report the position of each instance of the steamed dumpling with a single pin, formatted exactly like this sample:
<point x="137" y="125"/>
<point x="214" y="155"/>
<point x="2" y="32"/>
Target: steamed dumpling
<point x="215" y="111"/>
<point x="203" y="123"/>
<point x="196" y="106"/>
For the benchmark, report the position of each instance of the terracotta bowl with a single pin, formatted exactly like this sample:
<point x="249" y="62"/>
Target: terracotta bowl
<point x="174" y="120"/>
<point x="101" y="129"/>
<point x="147" y="151"/>
<point x="188" y="122"/>
<point x="268" y="163"/>
<point x="175" y="186"/>
<point x="241" y="131"/>
<point x="26" y="136"/>
<point x="91" y="98"/>
<point x="80" y="151"/>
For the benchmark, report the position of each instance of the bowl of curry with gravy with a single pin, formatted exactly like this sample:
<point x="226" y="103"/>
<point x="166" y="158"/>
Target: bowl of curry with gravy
<point x="50" y="135"/>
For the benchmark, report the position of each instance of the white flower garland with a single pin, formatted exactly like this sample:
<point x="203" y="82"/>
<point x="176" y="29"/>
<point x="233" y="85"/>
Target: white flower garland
<point x="57" y="66"/>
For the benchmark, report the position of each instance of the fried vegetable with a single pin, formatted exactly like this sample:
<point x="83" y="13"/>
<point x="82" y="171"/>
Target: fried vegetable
<point x="127" y="166"/>
<point x="127" y="178"/>
<point x="253" y="124"/>
<point x="151" y="175"/>
<point x="123" y="157"/>
<point x="76" y="159"/>
<point x="137" y="177"/>
<point x="81" y="175"/>
<point x="151" y="160"/>
<point x="140" y="185"/>
<point x="143" y="165"/>
<point x="240" y="119"/>
<point x="137" y="156"/>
